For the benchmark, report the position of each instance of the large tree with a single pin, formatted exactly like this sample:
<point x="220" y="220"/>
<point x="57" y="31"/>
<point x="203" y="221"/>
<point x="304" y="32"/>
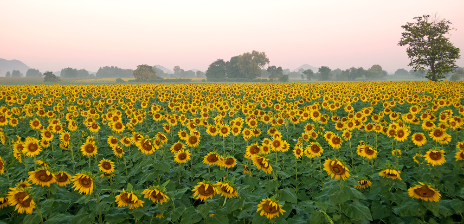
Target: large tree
<point x="250" y="64"/>
<point x="68" y="73"/>
<point x="33" y="73"/>
<point x="308" y="74"/>
<point x="324" y="73"/>
<point x="143" y="73"/>
<point x="274" y="72"/>
<point x="233" y="71"/>
<point x="216" y="70"/>
<point x="429" y="48"/>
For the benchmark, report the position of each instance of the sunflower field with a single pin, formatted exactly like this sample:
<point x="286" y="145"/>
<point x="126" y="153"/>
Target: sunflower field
<point x="341" y="152"/>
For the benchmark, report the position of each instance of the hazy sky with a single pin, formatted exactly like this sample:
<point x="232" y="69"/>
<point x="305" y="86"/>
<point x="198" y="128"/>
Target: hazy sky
<point x="51" y="35"/>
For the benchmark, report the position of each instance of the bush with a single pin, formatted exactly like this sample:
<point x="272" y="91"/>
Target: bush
<point x="119" y="80"/>
<point x="50" y="77"/>
<point x="283" y="78"/>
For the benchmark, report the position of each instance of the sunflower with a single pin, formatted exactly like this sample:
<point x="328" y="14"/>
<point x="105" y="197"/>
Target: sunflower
<point x="212" y="130"/>
<point x="262" y="163"/>
<point x="83" y="183"/>
<point x="204" y="190"/>
<point x="437" y="134"/>
<point x="118" y="151"/>
<point x="176" y="147"/>
<point x="112" y="141"/>
<point x="459" y="155"/>
<point x="314" y="149"/>
<point x="106" y="166"/>
<point x="424" y="192"/>
<point x="182" y="156"/>
<point x="65" y="137"/>
<point x="245" y="169"/>
<point x="126" y="141"/>
<point x="32" y="147"/>
<point x="42" y="163"/>
<point x="224" y="131"/>
<point x="276" y="144"/>
<point x="247" y="133"/>
<point x="335" y="142"/>
<point x="193" y="141"/>
<point x="212" y="158"/>
<point x="3" y="202"/>
<point x="227" y="190"/>
<point x="229" y="162"/>
<point x="128" y="199"/>
<point x="365" y="183"/>
<point x="23" y="184"/>
<point x="117" y="126"/>
<point x="183" y="135"/>
<point x="62" y="178"/>
<point x="396" y="152"/>
<point x="369" y="152"/>
<point x="270" y="208"/>
<point x="35" y="124"/>
<point x="21" y="199"/>
<point x="297" y="151"/>
<point x="401" y="134"/>
<point x="2" y="166"/>
<point x="156" y="195"/>
<point x="89" y="149"/>
<point x="419" y="139"/>
<point x="252" y="150"/>
<point x="435" y="157"/>
<point x="390" y="173"/>
<point x="146" y="147"/>
<point x="42" y="177"/>
<point x="336" y="169"/>
<point x="346" y="135"/>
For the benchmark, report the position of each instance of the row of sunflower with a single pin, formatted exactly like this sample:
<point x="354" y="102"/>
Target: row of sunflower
<point x="331" y="152"/>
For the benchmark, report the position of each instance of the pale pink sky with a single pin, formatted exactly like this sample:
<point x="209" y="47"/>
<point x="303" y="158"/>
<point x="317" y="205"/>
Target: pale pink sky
<point x="51" y="35"/>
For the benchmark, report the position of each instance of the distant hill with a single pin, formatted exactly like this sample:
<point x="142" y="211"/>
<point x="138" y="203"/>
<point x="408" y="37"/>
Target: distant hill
<point x="306" y="67"/>
<point x="165" y="70"/>
<point x="10" y="65"/>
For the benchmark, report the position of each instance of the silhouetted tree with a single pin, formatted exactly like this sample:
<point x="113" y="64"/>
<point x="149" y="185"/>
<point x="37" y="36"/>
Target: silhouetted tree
<point x="216" y="70"/>
<point x="144" y="73"/>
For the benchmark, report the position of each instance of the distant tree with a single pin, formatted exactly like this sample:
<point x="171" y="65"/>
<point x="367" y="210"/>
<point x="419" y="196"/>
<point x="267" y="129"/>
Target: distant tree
<point x="428" y="47"/>
<point x="115" y="72"/>
<point x="16" y="73"/>
<point x="458" y="75"/>
<point x="283" y="78"/>
<point x="160" y="72"/>
<point x="401" y="72"/>
<point x="50" y="77"/>
<point x="178" y="72"/>
<point x="307" y="74"/>
<point x="200" y="74"/>
<point x="188" y="74"/>
<point x="375" y="72"/>
<point x="33" y="73"/>
<point x="418" y="73"/>
<point x="232" y="69"/>
<point x="143" y="73"/>
<point x="274" y="72"/>
<point x="324" y="73"/>
<point x="335" y="73"/>
<point x="82" y="73"/>
<point x="216" y="70"/>
<point x="250" y="64"/>
<point x="68" y="73"/>
<point x="301" y="70"/>
<point x="8" y="74"/>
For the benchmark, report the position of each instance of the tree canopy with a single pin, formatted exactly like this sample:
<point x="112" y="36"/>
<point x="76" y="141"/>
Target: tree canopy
<point x="33" y="73"/>
<point x="50" y="77"/>
<point x="113" y="71"/>
<point x="250" y="64"/>
<point x="428" y="47"/>
<point x="324" y="73"/>
<point x="216" y="70"/>
<point x="274" y="72"/>
<point x="143" y="73"/>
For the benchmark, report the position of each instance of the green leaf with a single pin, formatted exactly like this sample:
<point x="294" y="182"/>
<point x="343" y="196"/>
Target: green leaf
<point x="316" y="217"/>
<point x="457" y="205"/>
<point x="410" y="208"/>
<point x="129" y="187"/>
<point x="288" y="194"/>
<point x="220" y="217"/>
<point x="297" y="219"/>
<point x="177" y="213"/>
<point x="357" y="210"/>
<point x="432" y="206"/>
<point x="116" y="218"/>
<point x="258" y="219"/>
<point x="379" y="211"/>
<point x="55" y="217"/>
<point x="32" y="219"/>
<point x="234" y="204"/>
<point x="190" y="216"/>
<point x="162" y="166"/>
<point x="204" y="209"/>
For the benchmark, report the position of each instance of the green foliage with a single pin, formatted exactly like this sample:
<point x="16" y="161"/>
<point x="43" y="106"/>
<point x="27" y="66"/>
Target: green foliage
<point x="109" y="72"/>
<point x="144" y="73"/>
<point x="428" y="47"/>
<point x="68" y="73"/>
<point x="250" y="64"/>
<point x="324" y="73"/>
<point x="233" y="71"/>
<point x="119" y="80"/>
<point x="50" y="77"/>
<point x="16" y="73"/>
<point x="216" y="70"/>
<point x="275" y="72"/>
<point x="283" y="78"/>
<point x="33" y="73"/>
<point x="8" y="74"/>
<point x="308" y="74"/>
